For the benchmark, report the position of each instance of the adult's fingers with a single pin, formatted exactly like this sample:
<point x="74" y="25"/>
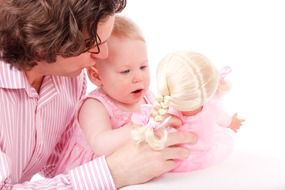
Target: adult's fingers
<point x="169" y="165"/>
<point x="181" y="137"/>
<point x="175" y="153"/>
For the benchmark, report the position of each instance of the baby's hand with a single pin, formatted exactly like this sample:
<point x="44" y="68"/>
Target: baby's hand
<point x="173" y="121"/>
<point x="236" y="123"/>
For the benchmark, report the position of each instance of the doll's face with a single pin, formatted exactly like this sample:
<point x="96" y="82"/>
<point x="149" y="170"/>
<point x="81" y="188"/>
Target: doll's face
<point x="193" y="112"/>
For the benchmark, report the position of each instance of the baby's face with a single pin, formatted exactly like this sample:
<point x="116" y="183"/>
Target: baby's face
<point x="125" y="74"/>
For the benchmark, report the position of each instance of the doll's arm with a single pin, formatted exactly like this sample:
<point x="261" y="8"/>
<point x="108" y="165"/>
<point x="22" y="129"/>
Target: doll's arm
<point x="232" y="122"/>
<point x="95" y="122"/>
<point x="236" y="123"/>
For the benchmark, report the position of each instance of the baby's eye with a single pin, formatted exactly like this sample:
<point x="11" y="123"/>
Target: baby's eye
<point x="143" y="67"/>
<point x="125" y="71"/>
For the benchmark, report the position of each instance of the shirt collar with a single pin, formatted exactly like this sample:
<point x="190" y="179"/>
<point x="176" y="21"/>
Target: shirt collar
<point x="11" y="77"/>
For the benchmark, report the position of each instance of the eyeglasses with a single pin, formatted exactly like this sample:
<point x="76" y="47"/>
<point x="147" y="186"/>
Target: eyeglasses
<point x="91" y="43"/>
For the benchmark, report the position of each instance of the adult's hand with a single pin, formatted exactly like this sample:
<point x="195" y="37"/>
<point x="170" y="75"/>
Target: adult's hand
<point x="134" y="164"/>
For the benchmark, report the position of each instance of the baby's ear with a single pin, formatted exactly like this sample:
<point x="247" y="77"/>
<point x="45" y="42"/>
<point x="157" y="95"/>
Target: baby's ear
<point x="94" y="76"/>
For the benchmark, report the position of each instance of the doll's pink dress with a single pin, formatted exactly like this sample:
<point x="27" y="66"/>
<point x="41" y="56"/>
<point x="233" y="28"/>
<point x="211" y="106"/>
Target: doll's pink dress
<point x="211" y="126"/>
<point x="214" y="141"/>
<point x="79" y="145"/>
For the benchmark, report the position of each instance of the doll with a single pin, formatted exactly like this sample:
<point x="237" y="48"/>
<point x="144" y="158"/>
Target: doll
<point x="191" y="89"/>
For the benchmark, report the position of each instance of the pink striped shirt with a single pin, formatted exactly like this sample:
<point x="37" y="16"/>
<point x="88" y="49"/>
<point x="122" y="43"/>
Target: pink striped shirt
<point x="35" y="130"/>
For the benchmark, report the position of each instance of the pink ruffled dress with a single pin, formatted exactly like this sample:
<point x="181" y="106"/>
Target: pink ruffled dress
<point x="79" y="145"/>
<point x="214" y="142"/>
<point x="210" y="125"/>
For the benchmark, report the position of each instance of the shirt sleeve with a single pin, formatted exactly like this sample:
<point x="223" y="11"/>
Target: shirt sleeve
<point x="4" y="170"/>
<point x="92" y="175"/>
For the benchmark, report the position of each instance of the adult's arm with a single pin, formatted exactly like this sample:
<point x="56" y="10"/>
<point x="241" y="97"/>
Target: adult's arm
<point x="92" y="175"/>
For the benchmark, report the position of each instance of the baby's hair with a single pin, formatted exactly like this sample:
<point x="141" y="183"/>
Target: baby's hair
<point x="126" y="28"/>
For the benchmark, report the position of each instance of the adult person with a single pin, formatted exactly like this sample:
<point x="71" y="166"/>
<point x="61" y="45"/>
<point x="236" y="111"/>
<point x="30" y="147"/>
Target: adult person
<point x="44" y="46"/>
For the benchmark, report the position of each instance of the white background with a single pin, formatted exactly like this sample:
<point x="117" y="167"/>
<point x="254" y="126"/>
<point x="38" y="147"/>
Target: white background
<point x="248" y="35"/>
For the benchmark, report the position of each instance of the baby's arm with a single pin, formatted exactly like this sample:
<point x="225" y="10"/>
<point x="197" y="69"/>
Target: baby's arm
<point x="96" y="124"/>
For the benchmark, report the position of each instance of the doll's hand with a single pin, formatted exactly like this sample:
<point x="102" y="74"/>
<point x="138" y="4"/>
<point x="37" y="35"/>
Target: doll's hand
<point x="236" y="123"/>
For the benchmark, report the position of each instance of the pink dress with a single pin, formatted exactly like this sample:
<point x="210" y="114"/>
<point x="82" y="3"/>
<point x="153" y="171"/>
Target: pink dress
<point x="214" y="137"/>
<point x="79" y="145"/>
<point x="215" y="141"/>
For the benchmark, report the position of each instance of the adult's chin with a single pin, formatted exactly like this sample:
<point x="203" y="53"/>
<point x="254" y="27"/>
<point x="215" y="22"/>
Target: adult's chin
<point x="74" y="74"/>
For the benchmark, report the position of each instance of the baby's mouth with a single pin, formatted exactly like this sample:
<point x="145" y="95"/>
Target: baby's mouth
<point x="137" y="91"/>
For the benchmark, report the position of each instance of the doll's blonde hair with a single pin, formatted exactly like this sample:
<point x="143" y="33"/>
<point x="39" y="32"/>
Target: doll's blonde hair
<point x="154" y="133"/>
<point x="188" y="78"/>
<point x="185" y="81"/>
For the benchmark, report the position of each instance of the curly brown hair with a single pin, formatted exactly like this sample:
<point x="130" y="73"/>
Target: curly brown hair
<point x="37" y="30"/>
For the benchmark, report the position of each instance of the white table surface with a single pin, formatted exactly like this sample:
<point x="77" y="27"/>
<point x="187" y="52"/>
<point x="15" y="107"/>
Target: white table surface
<point x="241" y="171"/>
